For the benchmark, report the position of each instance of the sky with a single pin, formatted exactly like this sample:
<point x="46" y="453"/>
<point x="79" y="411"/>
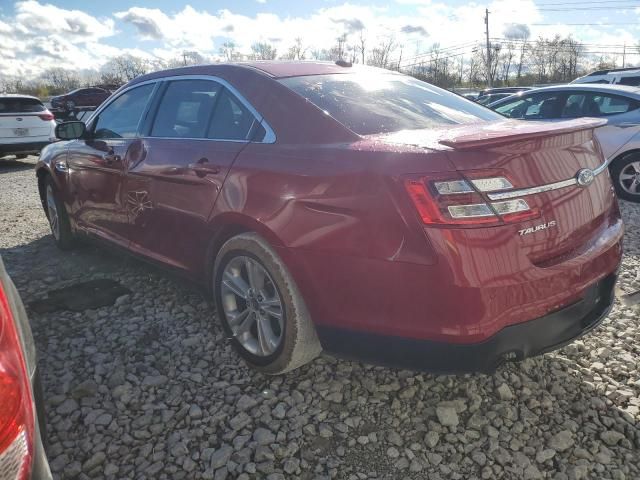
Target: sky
<point x="83" y="35"/>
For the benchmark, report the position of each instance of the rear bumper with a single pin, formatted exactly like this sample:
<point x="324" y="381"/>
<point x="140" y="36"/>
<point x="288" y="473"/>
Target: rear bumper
<point x="512" y="343"/>
<point x="25" y="147"/>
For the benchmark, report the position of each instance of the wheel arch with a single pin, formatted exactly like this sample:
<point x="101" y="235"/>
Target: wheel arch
<point x="633" y="151"/>
<point x="229" y="225"/>
<point x="41" y="174"/>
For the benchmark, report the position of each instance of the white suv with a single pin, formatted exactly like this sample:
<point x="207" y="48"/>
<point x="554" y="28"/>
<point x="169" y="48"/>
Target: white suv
<point x="26" y="125"/>
<point x="618" y="76"/>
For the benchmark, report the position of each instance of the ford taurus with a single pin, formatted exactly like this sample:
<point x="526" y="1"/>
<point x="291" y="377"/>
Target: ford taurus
<point x="349" y="209"/>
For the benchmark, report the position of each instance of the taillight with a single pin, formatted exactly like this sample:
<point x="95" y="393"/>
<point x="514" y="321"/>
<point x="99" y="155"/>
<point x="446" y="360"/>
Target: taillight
<point x="46" y="116"/>
<point x="16" y="404"/>
<point x="454" y="200"/>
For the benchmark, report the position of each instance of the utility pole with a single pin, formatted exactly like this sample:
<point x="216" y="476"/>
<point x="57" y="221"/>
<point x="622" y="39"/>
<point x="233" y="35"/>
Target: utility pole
<point x="624" y="54"/>
<point x="486" y="22"/>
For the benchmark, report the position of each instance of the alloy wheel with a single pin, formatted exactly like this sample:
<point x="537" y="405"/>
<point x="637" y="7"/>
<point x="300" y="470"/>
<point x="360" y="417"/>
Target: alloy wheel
<point x="252" y="306"/>
<point x="54" y="219"/>
<point x="629" y="178"/>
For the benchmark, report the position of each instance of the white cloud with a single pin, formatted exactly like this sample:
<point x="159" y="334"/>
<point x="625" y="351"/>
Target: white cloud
<point x="41" y="35"/>
<point x="33" y="19"/>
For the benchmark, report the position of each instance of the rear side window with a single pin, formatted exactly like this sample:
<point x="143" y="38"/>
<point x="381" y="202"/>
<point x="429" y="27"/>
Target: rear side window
<point x="613" y="104"/>
<point x="186" y="108"/>
<point x="370" y="103"/>
<point x="20" y="105"/>
<point x="583" y="104"/>
<point x="231" y="119"/>
<point x="633" y="81"/>
<point x="120" y="119"/>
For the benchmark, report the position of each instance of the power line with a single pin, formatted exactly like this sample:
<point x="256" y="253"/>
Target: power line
<point x="517" y="40"/>
<point x="586" y="24"/>
<point x="579" y="2"/>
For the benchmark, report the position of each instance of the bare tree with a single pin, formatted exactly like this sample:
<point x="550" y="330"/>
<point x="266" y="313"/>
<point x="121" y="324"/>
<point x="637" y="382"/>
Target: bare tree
<point x="62" y="80"/>
<point x="297" y="51"/>
<point x="489" y="69"/>
<point x="506" y="60"/>
<point x="339" y="50"/>
<point x="381" y="53"/>
<point x="362" y="45"/>
<point x="124" y="68"/>
<point x="228" y="49"/>
<point x="263" y="51"/>
<point x="192" y="58"/>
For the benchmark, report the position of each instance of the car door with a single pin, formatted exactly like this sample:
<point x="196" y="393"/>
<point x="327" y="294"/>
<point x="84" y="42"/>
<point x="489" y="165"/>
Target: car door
<point x="623" y="121"/>
<point x="622" y="114"/>
<point x="198" y="130"/>
<point x="97" y="165"/>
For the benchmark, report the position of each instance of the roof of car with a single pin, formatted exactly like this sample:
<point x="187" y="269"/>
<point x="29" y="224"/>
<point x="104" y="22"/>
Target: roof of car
<point x="271" y="68"/>
<point x="17" y="95"/>
<point x="599" y="87"/>
<point x="287" y="68"/>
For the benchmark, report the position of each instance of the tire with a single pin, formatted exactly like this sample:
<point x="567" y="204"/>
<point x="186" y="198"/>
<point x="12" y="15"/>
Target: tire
<point x="297" y="342"/>
<point x="58" y="217"/>
<point x="625" y="174"/>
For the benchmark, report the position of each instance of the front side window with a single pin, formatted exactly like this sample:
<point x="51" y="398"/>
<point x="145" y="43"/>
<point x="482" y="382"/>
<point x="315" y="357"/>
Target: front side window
<point x="371" y="103"/>
<point x="186" y="108"/>
<point x="533" y="107"/>
<point x="120" y="119"/>
<point x="574" y="106"/>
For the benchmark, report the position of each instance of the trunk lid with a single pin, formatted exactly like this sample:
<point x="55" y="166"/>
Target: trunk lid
<point x="532" y="154"/>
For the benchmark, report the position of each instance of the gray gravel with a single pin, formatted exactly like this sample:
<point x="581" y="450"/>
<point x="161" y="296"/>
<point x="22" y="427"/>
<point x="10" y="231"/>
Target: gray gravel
<point x="149" y="388"/>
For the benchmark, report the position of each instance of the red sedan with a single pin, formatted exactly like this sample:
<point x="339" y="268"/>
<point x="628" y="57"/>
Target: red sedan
<point x="349" y="209"/>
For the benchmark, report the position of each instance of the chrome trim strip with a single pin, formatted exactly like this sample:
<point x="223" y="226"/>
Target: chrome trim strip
<point x="270" y="136"/>
<point x="523" y="192"/>
<point x="533" y="190"/>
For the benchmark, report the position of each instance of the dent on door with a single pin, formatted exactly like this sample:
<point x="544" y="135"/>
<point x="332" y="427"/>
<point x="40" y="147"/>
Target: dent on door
<point x="97" y="168"/>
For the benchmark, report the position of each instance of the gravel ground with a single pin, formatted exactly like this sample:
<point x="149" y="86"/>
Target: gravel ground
<point x="148" y="388"/>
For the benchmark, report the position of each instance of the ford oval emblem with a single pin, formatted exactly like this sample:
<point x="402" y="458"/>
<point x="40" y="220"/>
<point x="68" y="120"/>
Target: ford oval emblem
<point x="585" y="177"/>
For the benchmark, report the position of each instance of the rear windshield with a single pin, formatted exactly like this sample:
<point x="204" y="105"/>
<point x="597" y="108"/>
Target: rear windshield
<point x="370" y="103"/>
<point x="20" y="105"/>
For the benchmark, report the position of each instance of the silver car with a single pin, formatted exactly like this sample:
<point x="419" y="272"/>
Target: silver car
<point x="619" y="138"/>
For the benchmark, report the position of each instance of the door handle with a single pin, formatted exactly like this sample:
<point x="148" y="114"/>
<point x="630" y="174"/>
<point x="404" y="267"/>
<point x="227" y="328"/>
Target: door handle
<point x="110" y="158"/>
<point x="202" y="168"/>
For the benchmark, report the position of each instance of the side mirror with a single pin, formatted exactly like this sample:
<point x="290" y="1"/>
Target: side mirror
<point x="70" y="130"/>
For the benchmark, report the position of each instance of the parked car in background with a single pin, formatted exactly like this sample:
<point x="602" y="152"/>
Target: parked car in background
<point x="619" y="138"/>
<point x="350" y="209"/>
<point x="618" y="76"/>
<point x="82" y="97"/>
<point x="25" y="125"/>
<point x="22" y="421"/>
<point x="489" y="95"/>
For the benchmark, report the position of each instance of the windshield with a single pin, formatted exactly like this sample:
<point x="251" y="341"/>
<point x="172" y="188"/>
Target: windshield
<point x="370" y="103"/>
